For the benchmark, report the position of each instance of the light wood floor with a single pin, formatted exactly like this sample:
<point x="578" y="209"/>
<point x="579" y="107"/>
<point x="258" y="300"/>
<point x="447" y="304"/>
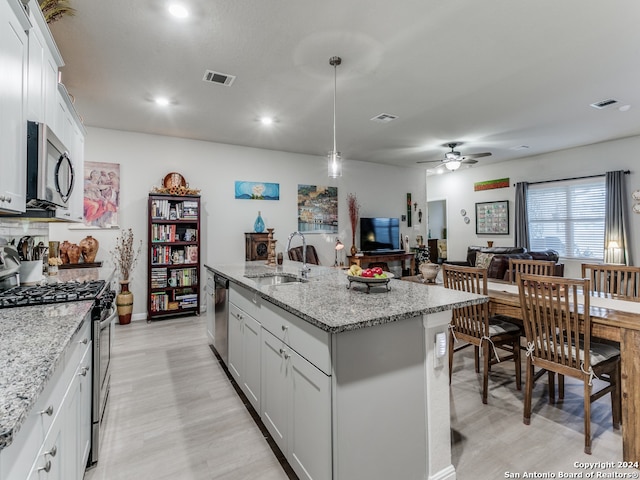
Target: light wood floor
<point x="173" y="414"/>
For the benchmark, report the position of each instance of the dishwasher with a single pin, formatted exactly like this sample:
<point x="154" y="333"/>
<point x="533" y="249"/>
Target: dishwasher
<point x="221" y="321"/>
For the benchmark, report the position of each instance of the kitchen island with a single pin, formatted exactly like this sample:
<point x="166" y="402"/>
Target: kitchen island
<point x="347" y="383"/>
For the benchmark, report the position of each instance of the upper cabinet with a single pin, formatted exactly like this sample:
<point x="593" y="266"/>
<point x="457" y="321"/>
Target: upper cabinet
<point x="13" y="121"/>
<point x="31" y="92"/>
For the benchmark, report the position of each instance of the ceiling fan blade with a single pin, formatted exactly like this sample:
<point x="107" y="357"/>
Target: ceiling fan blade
<point x="468" y="161"/>
<point x="477" y="155"/>
<point x="430" y="161"/>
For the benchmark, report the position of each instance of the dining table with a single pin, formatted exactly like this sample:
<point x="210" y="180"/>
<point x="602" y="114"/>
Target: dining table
<point x="611" y="319"/>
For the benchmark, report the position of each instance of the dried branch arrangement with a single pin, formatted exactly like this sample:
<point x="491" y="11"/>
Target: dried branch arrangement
<point x="354" y="214"/>
<point x="55" y="9"/>
<point x="124" y="254"/>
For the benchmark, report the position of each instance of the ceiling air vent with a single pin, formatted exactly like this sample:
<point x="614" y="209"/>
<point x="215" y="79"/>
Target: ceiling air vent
<point x="384" y="118"/>
<point x="603" y="103"/>
<point x="217" y="77"/>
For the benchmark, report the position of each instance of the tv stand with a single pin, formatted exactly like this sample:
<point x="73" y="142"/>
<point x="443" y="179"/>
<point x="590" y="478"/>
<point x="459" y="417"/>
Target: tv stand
<point x="384" y="257"/>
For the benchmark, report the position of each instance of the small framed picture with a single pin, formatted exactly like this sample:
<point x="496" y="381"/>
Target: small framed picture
<point x="492" y="218"/>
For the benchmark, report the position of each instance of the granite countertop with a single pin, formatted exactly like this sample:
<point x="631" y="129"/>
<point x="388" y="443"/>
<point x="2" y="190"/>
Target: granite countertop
<point x="33" y="340"/>
<point x="326" y="302"/>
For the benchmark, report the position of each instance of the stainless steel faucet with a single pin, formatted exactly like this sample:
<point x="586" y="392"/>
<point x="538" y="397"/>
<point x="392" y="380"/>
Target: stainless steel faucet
<point x="305" y="268"/>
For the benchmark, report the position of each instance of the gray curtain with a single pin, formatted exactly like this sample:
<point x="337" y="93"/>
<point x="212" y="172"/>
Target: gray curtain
<point x="615" y="221"/>
<point x="521" y="217"/>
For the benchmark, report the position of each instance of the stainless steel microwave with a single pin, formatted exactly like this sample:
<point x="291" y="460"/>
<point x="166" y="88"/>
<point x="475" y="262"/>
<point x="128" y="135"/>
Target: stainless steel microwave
<point x="50" y="175"/>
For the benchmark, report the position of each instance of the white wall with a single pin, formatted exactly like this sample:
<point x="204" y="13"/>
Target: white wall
<point x="145" y="159"/>
<point x="457" y="188"/>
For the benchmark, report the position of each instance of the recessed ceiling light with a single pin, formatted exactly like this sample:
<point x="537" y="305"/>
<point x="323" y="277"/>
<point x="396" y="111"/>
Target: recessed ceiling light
<point x="178" y="10"/>
<point x="162" y="101"/>
<point x="266" y="120"/>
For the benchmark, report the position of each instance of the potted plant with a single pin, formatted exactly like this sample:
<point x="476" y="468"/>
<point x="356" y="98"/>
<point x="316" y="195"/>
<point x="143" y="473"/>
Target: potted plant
<point x="125" y="256"/>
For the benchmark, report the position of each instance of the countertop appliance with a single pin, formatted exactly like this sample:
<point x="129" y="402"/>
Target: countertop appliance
<point x="9" y="267"/>
<point x="221" y="322"/>
<point x="50" y="174"/>
<point x="103" y="315"/>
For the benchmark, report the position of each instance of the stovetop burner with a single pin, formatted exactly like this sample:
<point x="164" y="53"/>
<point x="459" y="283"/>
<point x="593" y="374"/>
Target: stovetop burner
<point x="50" y="293"/>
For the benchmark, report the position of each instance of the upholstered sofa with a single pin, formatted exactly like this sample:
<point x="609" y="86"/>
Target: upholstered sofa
<point x="496" y="259"/>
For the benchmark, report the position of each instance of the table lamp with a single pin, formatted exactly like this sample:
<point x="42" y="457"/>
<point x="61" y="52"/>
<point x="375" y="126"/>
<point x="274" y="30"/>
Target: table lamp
<point x="339" y="246"/>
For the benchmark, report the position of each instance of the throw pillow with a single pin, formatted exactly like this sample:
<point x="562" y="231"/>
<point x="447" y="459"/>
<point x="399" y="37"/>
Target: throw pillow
<point x="483" y="259"/>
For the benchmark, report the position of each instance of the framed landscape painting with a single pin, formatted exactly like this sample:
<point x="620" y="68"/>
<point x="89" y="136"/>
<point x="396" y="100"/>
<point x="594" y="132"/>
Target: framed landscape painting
<point x="317" y="209"/>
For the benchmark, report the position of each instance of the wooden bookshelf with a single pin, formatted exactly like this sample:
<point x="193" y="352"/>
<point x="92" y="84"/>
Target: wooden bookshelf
<point x="173" y="279"/>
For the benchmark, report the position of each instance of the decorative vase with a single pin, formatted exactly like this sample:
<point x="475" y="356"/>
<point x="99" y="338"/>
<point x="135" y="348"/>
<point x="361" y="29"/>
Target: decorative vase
<point x="354" y="250"/>
<point x="489" y="243"/>
<point x="73" y="253"/>
<point x="124" y="302"/>
<point x="258" y="225"/>
<point x="89" y="248"/>
<point x="64" y="247"/>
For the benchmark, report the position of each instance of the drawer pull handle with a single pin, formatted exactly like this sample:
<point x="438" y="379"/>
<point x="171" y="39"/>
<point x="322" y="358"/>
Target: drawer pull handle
<point x="285" y="328"/>
<point x="284" y="353"/>
<point x="52" y="452"/>
<point x="83" y="371"/>
<point x="48" y="411"/>
<point x="84" y="341"/>
<point x="47" y="466"/>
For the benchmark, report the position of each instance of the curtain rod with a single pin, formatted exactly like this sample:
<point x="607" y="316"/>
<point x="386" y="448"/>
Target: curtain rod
<point x="626" y="172"/>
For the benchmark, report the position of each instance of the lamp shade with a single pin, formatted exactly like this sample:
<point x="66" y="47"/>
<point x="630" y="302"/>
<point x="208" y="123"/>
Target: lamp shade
<point x="453" y="165"/>
<point x="334" y="164"/>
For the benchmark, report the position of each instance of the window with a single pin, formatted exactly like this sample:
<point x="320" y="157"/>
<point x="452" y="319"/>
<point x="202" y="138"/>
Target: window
<point x="568" y="216"/>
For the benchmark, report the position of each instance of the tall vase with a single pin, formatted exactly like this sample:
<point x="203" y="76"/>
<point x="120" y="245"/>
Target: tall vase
<point x="353" y="250"/>
<point x="258" y="225"/>
<point x="124" y="302"/>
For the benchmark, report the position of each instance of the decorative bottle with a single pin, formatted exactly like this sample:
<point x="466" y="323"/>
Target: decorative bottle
<point x="258" y="225"/>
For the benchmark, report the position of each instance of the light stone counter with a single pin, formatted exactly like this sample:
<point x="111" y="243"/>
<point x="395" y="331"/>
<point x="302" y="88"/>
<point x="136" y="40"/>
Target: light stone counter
<point x="326" y="302"/>
<point x="33" y="340"/>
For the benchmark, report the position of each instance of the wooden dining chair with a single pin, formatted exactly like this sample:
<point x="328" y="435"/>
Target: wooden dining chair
<point x="553" y="309"/>
<point x="530" y="266"/>
<point x="618" y="281"/>
<point x="474" y="325"/>
<point x="295" y="254"/>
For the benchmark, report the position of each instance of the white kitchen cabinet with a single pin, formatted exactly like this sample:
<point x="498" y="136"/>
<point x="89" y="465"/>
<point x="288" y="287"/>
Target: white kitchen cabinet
<point x="54" y="440"/>
<point x="244" y="353"/>
<point x="296" y="408"/>
<point x="210" y="292"/>
<point x="13" y="123"/>
<point x="76" y="151"/>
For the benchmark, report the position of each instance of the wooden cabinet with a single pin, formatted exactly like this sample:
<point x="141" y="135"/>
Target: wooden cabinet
<point x="244" y="353"/>
<point x="173" y="255"/>
<point x="13" y="120"/>
<point x="256" y="246"/>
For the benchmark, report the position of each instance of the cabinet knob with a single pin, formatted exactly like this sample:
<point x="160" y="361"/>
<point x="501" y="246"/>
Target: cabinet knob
<point x="285" y="328"/>
<point x="52" y="452"/>
<point x="84" y="341"/>
<point x="47" y="411"/>
<point x="83" y="371"/>
<point x="2" y="198"/>
<point x="284" y="353"/>
<point x="47" y="466"/>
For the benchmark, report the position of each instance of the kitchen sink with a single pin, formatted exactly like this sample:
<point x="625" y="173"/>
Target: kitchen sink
<point x="277" y="279"/>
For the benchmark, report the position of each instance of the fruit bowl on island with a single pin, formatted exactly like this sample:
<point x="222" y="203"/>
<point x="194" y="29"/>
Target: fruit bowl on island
<point x="369" y="277"/>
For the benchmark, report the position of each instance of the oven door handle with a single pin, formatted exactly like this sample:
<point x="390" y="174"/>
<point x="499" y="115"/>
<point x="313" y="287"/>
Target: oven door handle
<point x="114" y="313"/>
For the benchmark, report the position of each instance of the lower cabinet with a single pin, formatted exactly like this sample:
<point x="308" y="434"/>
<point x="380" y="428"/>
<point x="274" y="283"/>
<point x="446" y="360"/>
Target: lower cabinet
<point x="54" y="442"/>
<point x="244" y="353"/>
<point x="296" y="408"/>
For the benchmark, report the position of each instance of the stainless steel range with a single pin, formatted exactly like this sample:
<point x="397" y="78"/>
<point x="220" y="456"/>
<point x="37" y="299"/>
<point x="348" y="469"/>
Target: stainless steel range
<point x="103" y="315"/>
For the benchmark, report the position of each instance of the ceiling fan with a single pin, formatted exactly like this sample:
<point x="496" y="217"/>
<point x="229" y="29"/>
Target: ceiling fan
<point x="452" y="160"/>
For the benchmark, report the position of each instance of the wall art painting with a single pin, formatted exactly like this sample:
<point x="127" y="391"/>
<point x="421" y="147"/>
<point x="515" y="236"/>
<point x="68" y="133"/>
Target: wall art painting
<point x="101" y="194"/>
<point x="492" y="218"/>
<point x="317" y="209"/>
<point x="257" y="191"/>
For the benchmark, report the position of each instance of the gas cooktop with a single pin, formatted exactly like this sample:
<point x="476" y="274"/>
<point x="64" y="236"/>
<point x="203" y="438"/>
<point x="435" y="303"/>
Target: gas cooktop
<point x="50" y="293"/>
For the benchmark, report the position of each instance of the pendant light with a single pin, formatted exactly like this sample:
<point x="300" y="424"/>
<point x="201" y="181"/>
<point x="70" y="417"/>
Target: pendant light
<point x="335" y="160"/>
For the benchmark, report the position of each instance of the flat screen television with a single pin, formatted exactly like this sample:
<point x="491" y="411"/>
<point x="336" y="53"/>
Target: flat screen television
<point x="379" y="234"/>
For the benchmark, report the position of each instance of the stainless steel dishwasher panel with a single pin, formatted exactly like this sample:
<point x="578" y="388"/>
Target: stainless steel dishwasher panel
<point x="221" y="323"/>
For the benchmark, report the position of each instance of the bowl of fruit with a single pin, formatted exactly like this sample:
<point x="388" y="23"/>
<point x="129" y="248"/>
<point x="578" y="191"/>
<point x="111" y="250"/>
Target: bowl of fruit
<point x="368" y="276"/>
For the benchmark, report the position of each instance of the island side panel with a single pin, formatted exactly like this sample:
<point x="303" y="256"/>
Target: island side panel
<point x="380" y="403"/>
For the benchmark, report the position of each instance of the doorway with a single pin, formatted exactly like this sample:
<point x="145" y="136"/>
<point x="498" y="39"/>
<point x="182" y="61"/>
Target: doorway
<point x="437" y="230"/>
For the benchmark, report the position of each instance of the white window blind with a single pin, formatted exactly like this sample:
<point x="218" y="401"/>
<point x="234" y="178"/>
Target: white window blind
<point x="568" y="216"/>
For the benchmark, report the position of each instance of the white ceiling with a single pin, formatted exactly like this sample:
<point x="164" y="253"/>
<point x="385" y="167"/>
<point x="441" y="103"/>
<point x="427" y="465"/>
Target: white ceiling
<point x="493" y="74"/>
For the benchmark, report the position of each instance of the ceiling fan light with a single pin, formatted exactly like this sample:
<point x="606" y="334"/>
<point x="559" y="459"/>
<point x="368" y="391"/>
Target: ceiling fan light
<point x="453" y="165"/>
